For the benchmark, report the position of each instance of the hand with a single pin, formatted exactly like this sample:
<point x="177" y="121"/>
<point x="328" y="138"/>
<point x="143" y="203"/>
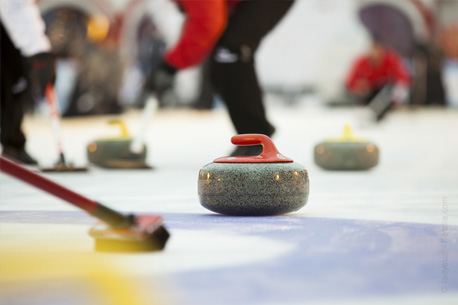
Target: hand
<point x="161" y="79"/>
<point x="42" y="72"/>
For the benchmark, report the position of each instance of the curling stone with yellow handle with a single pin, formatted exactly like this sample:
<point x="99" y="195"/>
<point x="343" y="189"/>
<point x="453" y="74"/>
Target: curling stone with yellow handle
<point x="116" y="152"/>
<point x="346" y="153"/>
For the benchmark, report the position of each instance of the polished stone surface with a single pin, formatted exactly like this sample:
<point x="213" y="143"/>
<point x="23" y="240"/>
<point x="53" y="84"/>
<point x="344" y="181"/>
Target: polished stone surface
<point x="248" y="189"/>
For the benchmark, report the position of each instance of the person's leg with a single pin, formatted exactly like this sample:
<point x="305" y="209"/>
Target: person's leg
<point x="13" y="87"/>
<point x="205" y="97"/>
<point x="233" y="69"/>
<point x="12" y="113"/>
<point x="11" y="116"/>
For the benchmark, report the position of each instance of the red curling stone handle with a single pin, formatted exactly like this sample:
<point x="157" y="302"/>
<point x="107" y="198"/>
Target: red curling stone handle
<point x="270" y="153"/>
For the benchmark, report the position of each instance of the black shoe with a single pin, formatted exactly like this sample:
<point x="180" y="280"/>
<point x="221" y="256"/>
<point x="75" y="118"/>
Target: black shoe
<point x="247" y="151"/>
<point x="18" y="154"/>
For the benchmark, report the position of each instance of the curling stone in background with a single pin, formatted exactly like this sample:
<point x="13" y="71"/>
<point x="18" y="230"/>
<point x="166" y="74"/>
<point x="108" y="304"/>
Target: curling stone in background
<point x="268" y="184"/>
<point x="124" y="151"/>
<point x="346" y="153"/>
<point x="116" y="152"/>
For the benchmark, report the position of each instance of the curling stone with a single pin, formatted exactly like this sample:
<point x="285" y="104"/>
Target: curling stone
<point x="346" y="153"/>
<point x="116" y="152"/>
<point x="268" y="184"/>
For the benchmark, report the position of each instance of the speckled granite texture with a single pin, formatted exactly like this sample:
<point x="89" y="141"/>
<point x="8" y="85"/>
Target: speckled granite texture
<point x="346" y="155"/>
<point x="101" y="153"/>
<point x="249" y="189"/>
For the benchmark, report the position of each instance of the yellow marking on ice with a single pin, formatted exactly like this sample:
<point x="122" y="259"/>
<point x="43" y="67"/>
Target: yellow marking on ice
<point x="111" y="285"/>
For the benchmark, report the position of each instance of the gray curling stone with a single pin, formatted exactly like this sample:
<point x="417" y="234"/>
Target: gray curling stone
<point x="268" y="184"/>
<point x="346" y="153"/>
<point x="116" y="152"/>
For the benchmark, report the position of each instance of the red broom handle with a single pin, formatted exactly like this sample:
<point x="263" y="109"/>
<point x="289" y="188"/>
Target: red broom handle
<point x="47" y="185"/>
<point x="112" y="217"/>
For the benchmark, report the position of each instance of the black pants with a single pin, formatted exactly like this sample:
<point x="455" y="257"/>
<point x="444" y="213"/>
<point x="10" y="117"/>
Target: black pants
<point x="13" y="91"/>
<point x="233" y="67"/>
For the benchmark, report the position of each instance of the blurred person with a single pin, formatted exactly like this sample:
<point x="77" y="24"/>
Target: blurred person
<point x="449" y="40"/>
<point x="380" y="67"/>
<point x="229" y="32"/>
<point x="27" y="67"/>
<point x="449" y="44"/>
<point x="427" y="84"/>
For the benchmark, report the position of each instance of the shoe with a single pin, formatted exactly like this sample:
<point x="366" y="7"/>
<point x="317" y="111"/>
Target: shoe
<point x="18" y="154"/>
<point x="247" y="151"/>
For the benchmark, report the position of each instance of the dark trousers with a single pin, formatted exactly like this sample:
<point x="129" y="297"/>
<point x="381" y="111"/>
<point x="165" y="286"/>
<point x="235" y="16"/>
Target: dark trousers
<point x="233" y="67"/>
<point x="13" y="89"/>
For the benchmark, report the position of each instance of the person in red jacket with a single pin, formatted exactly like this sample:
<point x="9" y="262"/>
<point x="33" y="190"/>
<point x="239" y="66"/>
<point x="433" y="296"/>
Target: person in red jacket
<point x="230" y="32"/>
<point x="378" y="68"/>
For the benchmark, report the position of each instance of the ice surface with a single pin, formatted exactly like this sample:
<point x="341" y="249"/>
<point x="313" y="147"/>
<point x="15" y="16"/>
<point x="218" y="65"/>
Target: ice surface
<point x="367" y="236"/>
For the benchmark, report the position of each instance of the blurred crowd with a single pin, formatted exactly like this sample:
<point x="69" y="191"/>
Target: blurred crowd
<point x="106" y="48"/>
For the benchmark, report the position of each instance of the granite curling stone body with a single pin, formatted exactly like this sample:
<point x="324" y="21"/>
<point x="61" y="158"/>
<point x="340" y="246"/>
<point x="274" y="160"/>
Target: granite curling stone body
<point x="268" y="184"/>
<point x="346" y="153"/>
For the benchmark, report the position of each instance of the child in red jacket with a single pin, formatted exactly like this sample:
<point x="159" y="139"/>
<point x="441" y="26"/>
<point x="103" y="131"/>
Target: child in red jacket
<point x="378" y="68"/>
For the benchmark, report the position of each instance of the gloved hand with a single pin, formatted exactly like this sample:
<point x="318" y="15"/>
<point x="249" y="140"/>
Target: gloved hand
<point x="42" y="72"/>
<point x="161" y="79"/>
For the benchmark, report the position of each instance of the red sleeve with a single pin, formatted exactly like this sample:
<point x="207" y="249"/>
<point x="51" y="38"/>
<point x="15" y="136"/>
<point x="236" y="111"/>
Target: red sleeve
<point x="357" y="72"/>
<point x="205" y="21"/>
<point x="399" y="71"/>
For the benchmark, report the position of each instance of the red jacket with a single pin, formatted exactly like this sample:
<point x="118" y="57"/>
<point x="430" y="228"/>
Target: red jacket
<point x="205" y="22"/>
<point x="391" y="69"/>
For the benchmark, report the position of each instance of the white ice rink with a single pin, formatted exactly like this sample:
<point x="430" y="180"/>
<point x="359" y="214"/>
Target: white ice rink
<point x="376" y="237"/>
